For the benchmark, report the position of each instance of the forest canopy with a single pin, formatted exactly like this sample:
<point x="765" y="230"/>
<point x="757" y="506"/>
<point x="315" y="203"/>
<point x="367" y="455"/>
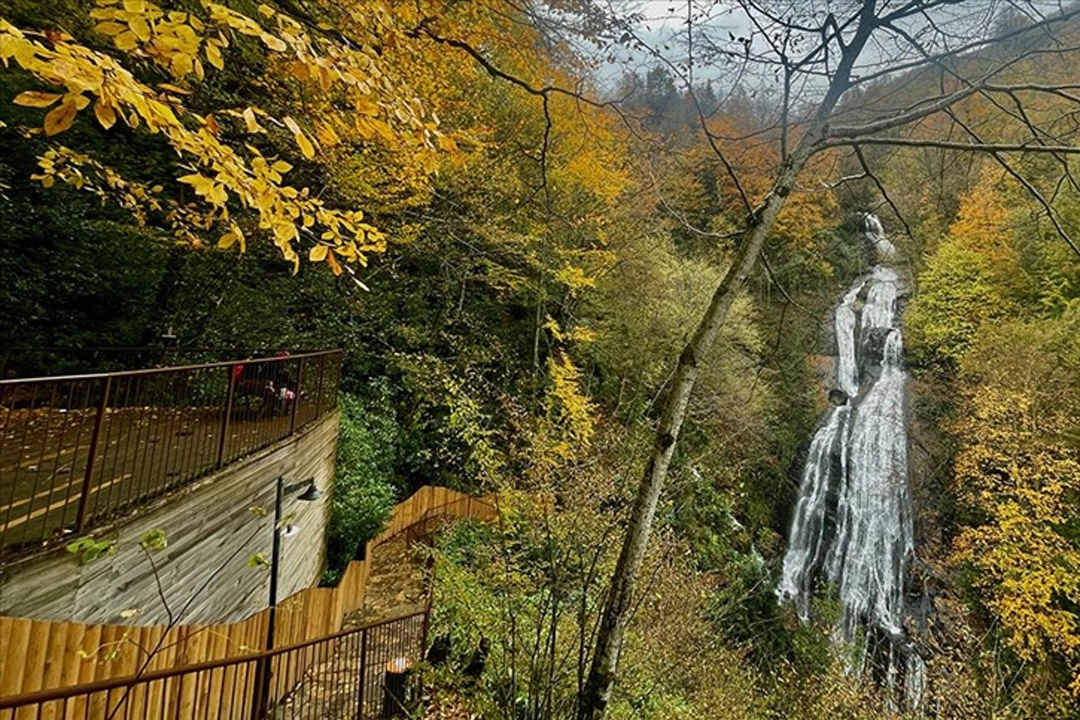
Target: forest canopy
<point x="603" y="291"/>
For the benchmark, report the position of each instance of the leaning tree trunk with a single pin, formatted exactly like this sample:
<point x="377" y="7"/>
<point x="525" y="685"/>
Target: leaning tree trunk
<point x="597" y="691"/>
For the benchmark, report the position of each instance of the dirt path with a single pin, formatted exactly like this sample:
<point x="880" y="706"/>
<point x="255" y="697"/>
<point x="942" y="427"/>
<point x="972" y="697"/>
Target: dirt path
<point x="396" y="585"/>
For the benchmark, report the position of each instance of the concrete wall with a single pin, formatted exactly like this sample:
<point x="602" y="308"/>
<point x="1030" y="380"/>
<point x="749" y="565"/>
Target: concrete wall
<point x="204" y="572"/>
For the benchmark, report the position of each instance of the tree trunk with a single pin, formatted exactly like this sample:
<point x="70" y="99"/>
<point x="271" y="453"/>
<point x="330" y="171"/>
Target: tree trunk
<point x="597" y="691"/>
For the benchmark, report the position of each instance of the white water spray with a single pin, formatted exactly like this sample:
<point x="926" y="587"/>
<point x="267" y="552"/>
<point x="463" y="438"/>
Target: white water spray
<point x="852" y="525"/>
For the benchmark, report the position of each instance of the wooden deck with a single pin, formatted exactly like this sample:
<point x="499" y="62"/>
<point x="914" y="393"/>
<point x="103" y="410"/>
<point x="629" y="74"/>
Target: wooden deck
<point x="141" y="453"/>
<point x="79" y="450"/>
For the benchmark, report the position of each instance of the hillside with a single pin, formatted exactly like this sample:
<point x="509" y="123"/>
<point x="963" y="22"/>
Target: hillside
<point x="776" y="381"/>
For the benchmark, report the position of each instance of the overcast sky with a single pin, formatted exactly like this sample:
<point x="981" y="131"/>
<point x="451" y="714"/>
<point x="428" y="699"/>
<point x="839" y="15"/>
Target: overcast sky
<point x="664" y="29"/>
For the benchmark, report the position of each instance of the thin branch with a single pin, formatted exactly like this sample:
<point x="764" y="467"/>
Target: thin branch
<point x="947" y="145"/>
<point x="1028" y="186"/>
<point x="881" y="189"/>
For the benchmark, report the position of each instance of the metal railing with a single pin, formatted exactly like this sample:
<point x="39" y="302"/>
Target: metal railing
<point x="76" y="451"/>
<point x="47" y="362"/>
<point x="329" y="678"/>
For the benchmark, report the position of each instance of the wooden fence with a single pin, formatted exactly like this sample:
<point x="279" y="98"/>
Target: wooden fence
<point x="41" y="655"/>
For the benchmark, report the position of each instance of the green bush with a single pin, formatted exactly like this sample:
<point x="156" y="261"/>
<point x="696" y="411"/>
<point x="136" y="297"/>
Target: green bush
<point x="364" y="490"/>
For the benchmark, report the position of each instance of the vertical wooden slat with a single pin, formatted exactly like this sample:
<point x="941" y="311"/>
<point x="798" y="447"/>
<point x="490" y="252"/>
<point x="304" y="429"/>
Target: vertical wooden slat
<point x="44" y="654"/>
<point x="72" y="662"/>
<point x="34" y="662"/>
<point x="54" y="665"/>
<point x="18" y="641"/>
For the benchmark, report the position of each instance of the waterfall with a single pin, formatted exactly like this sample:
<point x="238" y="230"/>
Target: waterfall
<point x="852" y="526"/>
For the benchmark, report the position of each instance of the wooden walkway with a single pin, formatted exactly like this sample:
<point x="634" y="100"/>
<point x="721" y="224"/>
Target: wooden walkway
<point x="141" y="454"/>
<point x="78" y="450"/>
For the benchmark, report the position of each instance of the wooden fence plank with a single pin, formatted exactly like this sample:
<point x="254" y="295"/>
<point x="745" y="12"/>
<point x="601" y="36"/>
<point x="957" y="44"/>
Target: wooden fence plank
<point x="45" y="654"/>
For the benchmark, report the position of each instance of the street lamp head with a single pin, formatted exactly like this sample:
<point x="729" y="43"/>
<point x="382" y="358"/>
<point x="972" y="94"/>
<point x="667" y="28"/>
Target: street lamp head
<point x="312" y="494"/>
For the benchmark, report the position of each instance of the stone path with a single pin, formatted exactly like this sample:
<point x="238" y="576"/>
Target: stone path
<point x="352" y="677"/>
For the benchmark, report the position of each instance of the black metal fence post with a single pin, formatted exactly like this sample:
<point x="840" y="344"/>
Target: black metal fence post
<point x="230" y="395"/>
<point x="91" y="455"/>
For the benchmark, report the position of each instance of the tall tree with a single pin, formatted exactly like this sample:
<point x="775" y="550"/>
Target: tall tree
<point x="820" y="55"/>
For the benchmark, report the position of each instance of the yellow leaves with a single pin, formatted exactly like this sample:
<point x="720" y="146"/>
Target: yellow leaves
<point x="273" y="42"/>
<point x="173" y="88"/>
<point x="173" y="39"/>
<point x="574" y="278"/>
<point x="578" y="334"/>
<point x="1012" y="470"/>
<point x="221" y="15"/>
<point x="35" y="99"/>
<point x="318" y="253"/>
<point x="301" y="139"/>
<point x="214" y="192"/>
<point x="365" y="106"/>
<point x="140" y="28"/>
<point x="291" y="125"/>
<point x="250" y="122"/>
<point x="213" y="55"/>
<point x="61" y="117"/>
<point x="571" y="409"/>
<point x="105" y="114"/>
<point x="126" y="41"/>
<point x="982" y="215"/>
<point x="447" y="143"/>
<point x="228" y="178"/>
<point x="110" y="28"/>
<point x="233" y="237"/>
<point x="196" y="180"/>
<point x="305" y="145"/>
<point x="370" y="128"/>
<point x="327" y="136"/>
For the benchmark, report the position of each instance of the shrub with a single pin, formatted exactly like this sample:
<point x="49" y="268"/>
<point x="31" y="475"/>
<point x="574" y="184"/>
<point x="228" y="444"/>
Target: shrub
<point x="364" y="489"/>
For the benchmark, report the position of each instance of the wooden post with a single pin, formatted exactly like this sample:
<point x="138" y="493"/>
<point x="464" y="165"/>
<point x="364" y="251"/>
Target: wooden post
<point x="95" y="436"/>
<point x="223" y="441"/>
<point x="396" y="685"/>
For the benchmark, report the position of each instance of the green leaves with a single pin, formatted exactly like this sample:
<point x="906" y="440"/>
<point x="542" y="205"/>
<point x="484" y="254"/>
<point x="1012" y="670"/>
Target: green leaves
<point x="87" y="549"/>
<point x="363" y="492"/>
<point x="154" y="540"/>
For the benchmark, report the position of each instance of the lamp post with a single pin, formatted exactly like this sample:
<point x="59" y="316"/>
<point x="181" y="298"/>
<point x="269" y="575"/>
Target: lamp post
<point x="310" y="495"/>
<point x="262" y="674"/>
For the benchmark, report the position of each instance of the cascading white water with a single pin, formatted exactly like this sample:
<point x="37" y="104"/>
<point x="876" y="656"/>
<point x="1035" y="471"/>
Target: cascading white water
<point x="852" y="525"/>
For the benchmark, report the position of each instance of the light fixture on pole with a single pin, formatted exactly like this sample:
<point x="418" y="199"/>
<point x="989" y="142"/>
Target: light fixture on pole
<point x="313" y="492"/>
<point x="281" y="529"/>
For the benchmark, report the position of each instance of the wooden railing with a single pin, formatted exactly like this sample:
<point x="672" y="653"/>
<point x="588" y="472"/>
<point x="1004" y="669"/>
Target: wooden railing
<point x="41" y="656"/>
<point x="79" y="450"/>
<point x="336" y="677"/>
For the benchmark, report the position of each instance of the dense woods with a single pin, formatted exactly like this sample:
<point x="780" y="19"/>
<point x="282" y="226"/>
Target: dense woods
<point x="514" y="255"/>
